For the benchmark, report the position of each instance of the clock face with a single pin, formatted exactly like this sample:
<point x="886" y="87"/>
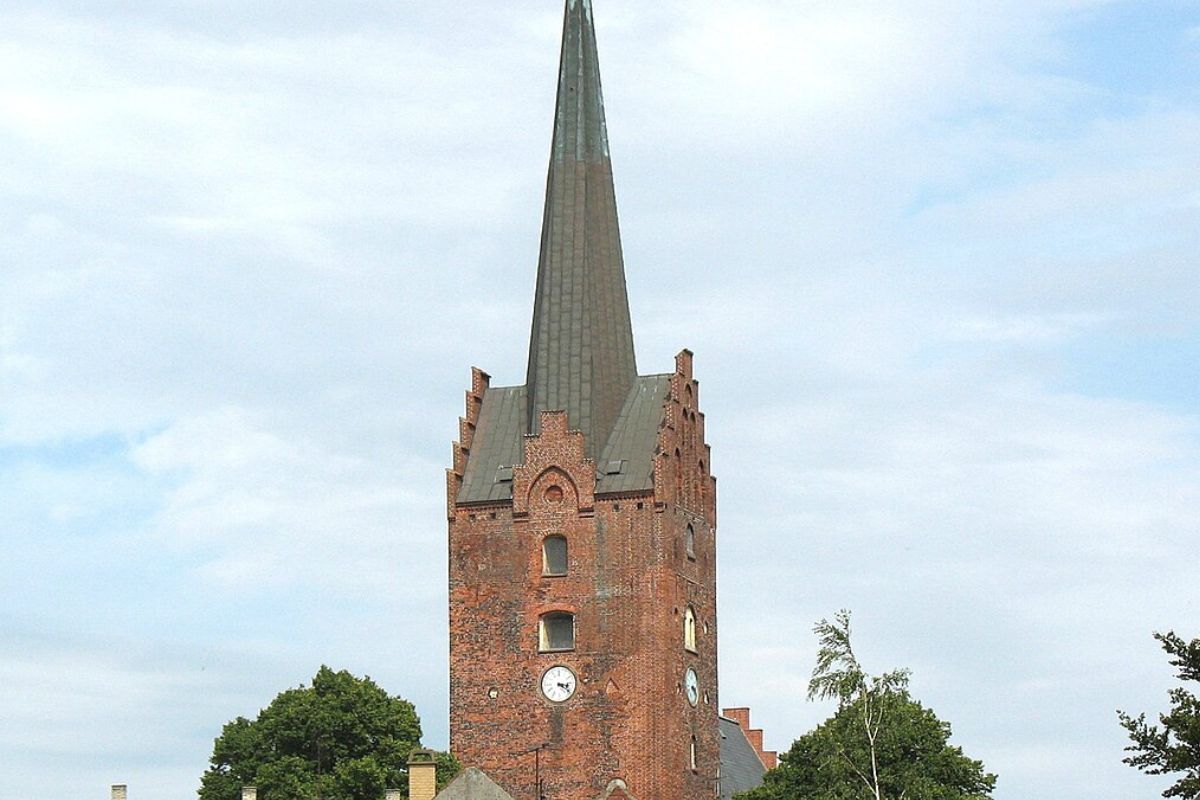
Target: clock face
<point x="691" y="684"/>
<point x="558" y="684"/>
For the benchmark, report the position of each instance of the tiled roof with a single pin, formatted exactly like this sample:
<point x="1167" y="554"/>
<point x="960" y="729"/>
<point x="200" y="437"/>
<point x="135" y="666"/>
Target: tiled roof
<point x="741" y="769"/>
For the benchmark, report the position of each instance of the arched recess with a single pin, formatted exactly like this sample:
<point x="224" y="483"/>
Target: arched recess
<point x="689" y="629"/>
<point x="678" y="476"/>
<point x="553" y="489"/>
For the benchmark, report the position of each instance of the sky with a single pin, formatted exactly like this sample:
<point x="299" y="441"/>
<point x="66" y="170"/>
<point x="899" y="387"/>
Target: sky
<point x="937" y="260"/>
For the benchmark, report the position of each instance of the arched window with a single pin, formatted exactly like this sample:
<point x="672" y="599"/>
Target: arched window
<point x="689" y="542"/>
<point x="556" y="632"/>
<point x="554" y="555"/>
<point x="689" y="629"/>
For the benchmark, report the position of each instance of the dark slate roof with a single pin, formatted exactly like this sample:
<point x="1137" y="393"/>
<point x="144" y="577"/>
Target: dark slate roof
<point x="627" y="462"/>
<point x="473" y="784"/>
<point x="499" y="444"/>
<point x="581" y="357"/>
<point x="741" y="768"/>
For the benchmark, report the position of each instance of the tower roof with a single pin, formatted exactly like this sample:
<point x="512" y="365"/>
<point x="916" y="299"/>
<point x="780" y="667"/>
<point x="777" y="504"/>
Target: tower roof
<point x="581" y="356"/>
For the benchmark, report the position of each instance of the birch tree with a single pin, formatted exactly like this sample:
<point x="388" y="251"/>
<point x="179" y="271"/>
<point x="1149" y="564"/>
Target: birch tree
<point x="880" y="745"/>
<point x="839" y="675"/>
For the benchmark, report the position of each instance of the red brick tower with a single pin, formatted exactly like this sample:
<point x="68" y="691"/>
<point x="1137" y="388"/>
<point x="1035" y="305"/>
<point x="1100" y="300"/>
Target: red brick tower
<point x="583" y="626"/>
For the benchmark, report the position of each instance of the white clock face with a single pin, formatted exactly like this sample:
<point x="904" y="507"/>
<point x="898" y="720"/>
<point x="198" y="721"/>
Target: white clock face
<point x="691" y="684"/>
<point x="558" y="684"/>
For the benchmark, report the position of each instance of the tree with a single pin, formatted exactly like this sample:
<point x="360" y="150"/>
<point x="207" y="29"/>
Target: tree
<point x="880" y="745"/>
<point x="342" y="738"/>
<point x="1175" y="747"/>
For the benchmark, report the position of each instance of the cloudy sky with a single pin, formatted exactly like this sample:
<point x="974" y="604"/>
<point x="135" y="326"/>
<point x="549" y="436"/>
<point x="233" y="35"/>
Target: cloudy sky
<point x="938" y="261"/>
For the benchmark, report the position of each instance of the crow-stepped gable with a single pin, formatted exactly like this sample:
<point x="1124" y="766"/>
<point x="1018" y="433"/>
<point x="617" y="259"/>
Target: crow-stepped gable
<point x="582" y="516"/>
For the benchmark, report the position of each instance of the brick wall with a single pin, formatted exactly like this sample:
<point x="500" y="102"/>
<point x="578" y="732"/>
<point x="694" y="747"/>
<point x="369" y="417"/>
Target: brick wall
<point x="629" y="583"/>
<point x="769" y="758"/>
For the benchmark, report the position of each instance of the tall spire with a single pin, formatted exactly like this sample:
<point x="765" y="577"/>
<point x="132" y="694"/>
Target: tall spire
<point x="581" y="349"/>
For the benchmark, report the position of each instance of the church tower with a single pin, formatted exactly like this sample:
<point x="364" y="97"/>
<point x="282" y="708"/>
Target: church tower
<point x="582" y="513"/>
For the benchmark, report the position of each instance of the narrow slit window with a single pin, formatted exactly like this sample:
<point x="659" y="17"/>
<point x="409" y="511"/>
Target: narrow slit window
<point x="554" y="555"/>
<point x="689" y="542"/>
<point x="689" y="629"/>
<point x="556" y="632"/>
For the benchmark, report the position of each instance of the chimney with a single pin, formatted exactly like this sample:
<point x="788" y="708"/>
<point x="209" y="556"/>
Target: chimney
<point x="249" y="793"/>
<point x="422" y="775"/>
<point x="120" y="791"/>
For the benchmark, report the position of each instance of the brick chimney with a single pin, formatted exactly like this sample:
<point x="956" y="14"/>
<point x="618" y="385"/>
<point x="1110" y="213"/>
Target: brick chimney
<point x="422" y="775"/>
<point x="120" y="791"/>
<point x="769" y="758"/>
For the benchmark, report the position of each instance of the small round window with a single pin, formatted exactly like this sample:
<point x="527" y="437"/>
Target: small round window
<point x="554" y="495"/>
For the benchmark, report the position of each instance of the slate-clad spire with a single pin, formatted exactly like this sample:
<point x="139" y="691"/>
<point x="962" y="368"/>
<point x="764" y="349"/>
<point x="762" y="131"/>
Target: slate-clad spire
<point x="581" y="348"/>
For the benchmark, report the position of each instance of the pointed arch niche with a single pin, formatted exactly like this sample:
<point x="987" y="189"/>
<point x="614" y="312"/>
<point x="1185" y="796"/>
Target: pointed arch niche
<point x="553" y="491"/>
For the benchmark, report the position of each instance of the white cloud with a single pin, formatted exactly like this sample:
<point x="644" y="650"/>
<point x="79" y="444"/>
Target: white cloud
<point x="260" y="258"/>
<point x="280" y="511"/>
<point x="991" y="540"/>
<point x="1025" y="330"/>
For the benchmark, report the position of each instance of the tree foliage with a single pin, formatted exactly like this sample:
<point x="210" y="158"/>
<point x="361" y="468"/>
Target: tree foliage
<point x="342" y="738"/>
<point x="880" y="745"/>
<point x="1173" y="748"/>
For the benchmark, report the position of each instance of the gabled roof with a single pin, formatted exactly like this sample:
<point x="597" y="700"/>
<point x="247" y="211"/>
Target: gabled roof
<point x="581" y="357"/>
<point x="626" y="463"/>
<point x="499" y="445"/>
<point x="473" y="784"/>
<point x="741" y="768"/>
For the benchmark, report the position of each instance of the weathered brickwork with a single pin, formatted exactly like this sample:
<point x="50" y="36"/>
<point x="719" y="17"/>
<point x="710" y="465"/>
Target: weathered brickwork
<point x="629" y="583"/>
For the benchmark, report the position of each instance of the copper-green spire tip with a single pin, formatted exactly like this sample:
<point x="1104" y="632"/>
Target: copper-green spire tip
<point x="581" y="350"/>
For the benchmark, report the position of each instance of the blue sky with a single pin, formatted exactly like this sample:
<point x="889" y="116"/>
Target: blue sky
<point x="938" y="262"/>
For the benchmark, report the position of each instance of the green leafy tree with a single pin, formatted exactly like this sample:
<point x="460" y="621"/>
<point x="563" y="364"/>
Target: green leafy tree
<point x="1173" y="748"/>
<point x="880" y="745"/>
<point x="342" y="738"/>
